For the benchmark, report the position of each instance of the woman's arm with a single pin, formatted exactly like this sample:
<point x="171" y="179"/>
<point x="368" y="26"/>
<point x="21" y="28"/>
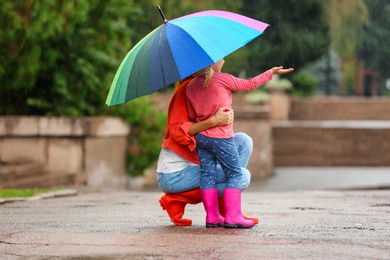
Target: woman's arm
<point x="223" y="116"/>
<point x="181" y="130"/>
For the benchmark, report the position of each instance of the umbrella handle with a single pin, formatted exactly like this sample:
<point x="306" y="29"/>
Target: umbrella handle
<point x="162" y="13"/>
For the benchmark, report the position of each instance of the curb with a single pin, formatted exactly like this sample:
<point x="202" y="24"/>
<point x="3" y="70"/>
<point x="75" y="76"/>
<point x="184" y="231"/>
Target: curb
<point x="48" y="195"/>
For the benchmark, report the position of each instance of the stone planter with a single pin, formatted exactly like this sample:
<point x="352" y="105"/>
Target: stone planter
<point x="280" y="103"/>
<point x="92" y="148"/>
<point x="279" y="100"/>
<point x="254" y="121"/>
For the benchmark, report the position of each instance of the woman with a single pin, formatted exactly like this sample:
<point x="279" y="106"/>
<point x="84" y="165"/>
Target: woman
<point x="178" y="165"/>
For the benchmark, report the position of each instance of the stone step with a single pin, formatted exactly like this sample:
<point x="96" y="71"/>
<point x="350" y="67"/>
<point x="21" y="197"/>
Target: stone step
<point x="20" y="170"/>
<point x="44" y="180"/>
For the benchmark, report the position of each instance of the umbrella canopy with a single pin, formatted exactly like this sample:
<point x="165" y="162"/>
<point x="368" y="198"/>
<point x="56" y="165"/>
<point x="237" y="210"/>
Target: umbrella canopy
<point x="179" y="48"/>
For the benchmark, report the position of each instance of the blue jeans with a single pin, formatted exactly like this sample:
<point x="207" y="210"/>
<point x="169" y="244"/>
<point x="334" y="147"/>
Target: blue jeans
<point x="217" y="150"/>
<point x="189" y="177"/>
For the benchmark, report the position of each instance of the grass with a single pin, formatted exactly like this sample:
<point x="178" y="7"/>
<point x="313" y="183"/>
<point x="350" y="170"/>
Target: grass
<point x="23" y="193"/>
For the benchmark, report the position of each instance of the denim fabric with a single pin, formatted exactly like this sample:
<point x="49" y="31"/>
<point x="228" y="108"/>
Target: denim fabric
<point x="223" y="150"/>
<point x="189" y="177"/>
<point x="244" y="145"/>
<point x="183" y="180"/>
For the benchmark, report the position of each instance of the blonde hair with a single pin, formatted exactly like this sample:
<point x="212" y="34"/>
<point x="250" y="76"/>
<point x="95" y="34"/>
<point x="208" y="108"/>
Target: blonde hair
<point x="208" y="71"/>
<point x="209" y="76"/>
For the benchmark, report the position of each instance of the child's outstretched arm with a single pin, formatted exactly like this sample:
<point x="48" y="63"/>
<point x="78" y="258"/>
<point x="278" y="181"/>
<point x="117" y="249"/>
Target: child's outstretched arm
<point x="279" y="70"/>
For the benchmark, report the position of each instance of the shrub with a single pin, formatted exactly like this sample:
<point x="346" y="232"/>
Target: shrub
<point x="303" y="84"/>
<point x="59" y="57"/>
<point x="147" y="132"/>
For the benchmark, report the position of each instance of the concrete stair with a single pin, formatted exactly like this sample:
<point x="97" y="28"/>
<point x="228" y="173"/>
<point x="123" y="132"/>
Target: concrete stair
<point x="22" y="175"/>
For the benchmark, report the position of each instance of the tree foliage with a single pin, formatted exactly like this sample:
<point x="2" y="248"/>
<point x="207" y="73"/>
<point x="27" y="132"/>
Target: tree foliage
<point x="345" y="18"/>
<point x="59" y="56"/>
<point x="298" y="34"/>
<point x="374" y="38"/>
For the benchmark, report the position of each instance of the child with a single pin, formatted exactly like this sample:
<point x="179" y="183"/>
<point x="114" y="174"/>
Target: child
<point x="206" y="93"/>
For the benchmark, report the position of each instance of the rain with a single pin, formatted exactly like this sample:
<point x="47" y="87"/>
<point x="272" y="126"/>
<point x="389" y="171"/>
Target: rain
<point x="319" y="133"/>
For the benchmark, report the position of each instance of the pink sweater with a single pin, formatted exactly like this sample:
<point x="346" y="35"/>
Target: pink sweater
<point x="204" y="102"/>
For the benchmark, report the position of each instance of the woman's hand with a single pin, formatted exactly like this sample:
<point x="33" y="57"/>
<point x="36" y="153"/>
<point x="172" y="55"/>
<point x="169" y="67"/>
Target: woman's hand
<point x="279" y="70"/>
<point x="224" y="116"/>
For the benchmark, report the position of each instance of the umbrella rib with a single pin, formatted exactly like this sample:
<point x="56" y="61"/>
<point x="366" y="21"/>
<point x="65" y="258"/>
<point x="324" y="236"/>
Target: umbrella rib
<point x="160" y="62"/>
<point x="175" y="34"/>
<point x="223" y="50"/>
<point x="219" y="23"/>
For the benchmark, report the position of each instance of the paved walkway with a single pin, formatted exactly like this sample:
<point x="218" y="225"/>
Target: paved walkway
<point x="325" y="178"/>
<point x="300" y="223"/>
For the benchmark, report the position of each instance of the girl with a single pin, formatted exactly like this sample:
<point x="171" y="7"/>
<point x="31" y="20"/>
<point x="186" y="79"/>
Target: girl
<point x="206" y="93"/>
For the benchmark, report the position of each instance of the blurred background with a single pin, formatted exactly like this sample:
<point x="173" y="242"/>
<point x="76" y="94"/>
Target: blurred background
<point x="60" y="57"/>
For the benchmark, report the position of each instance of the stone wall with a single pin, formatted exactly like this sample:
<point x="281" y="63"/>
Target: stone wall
<point x="334" y="131"/>
<point x="340" y="108"/>
<point x="93" y="148"/>
<point x="331" y="143"/>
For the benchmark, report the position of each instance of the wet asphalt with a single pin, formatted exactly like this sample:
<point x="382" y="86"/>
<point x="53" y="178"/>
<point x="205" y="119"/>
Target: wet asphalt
<point x="299" y="219"/>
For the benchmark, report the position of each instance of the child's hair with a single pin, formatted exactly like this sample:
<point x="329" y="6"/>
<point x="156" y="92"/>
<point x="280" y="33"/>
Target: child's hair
<point x="207" y="71"/>
<point x="209" y="76"/>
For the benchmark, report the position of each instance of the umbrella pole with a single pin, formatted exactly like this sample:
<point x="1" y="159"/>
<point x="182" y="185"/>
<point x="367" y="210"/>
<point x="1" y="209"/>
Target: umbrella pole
<point x="162" y="14"/>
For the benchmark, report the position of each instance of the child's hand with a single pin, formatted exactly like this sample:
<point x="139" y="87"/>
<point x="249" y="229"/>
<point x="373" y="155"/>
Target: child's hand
<point x="279" y="70"/>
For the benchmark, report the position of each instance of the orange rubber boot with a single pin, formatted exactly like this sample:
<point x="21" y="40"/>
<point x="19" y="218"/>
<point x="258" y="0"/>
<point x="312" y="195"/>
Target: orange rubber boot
<point x="174" y="204"/>
<point x="221" y="206"/>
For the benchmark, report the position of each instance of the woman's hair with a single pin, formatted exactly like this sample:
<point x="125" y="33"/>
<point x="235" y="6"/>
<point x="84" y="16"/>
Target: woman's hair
<point x="179" y="82"/>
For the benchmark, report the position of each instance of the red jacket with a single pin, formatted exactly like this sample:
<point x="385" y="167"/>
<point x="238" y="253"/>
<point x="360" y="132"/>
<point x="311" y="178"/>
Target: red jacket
<point x="176" y="137"/>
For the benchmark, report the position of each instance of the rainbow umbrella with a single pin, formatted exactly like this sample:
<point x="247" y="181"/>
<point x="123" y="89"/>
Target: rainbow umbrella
<point x="179" y="48"/>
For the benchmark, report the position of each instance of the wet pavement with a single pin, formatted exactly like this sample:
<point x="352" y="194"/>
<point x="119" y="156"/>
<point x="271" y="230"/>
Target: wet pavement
<point x="324" y="178"/>
<point x="296" y="221"/>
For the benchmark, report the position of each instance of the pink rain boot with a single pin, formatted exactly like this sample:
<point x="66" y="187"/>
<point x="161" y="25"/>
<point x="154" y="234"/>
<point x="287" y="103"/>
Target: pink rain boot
<point x="210" y="203"/>
<point x="233" y="217"/>
<point x="221" y="207"/>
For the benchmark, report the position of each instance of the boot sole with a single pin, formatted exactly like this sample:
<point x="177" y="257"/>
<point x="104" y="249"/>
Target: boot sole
<point x="227" y="225"/>
<point x="212" y="225"/>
